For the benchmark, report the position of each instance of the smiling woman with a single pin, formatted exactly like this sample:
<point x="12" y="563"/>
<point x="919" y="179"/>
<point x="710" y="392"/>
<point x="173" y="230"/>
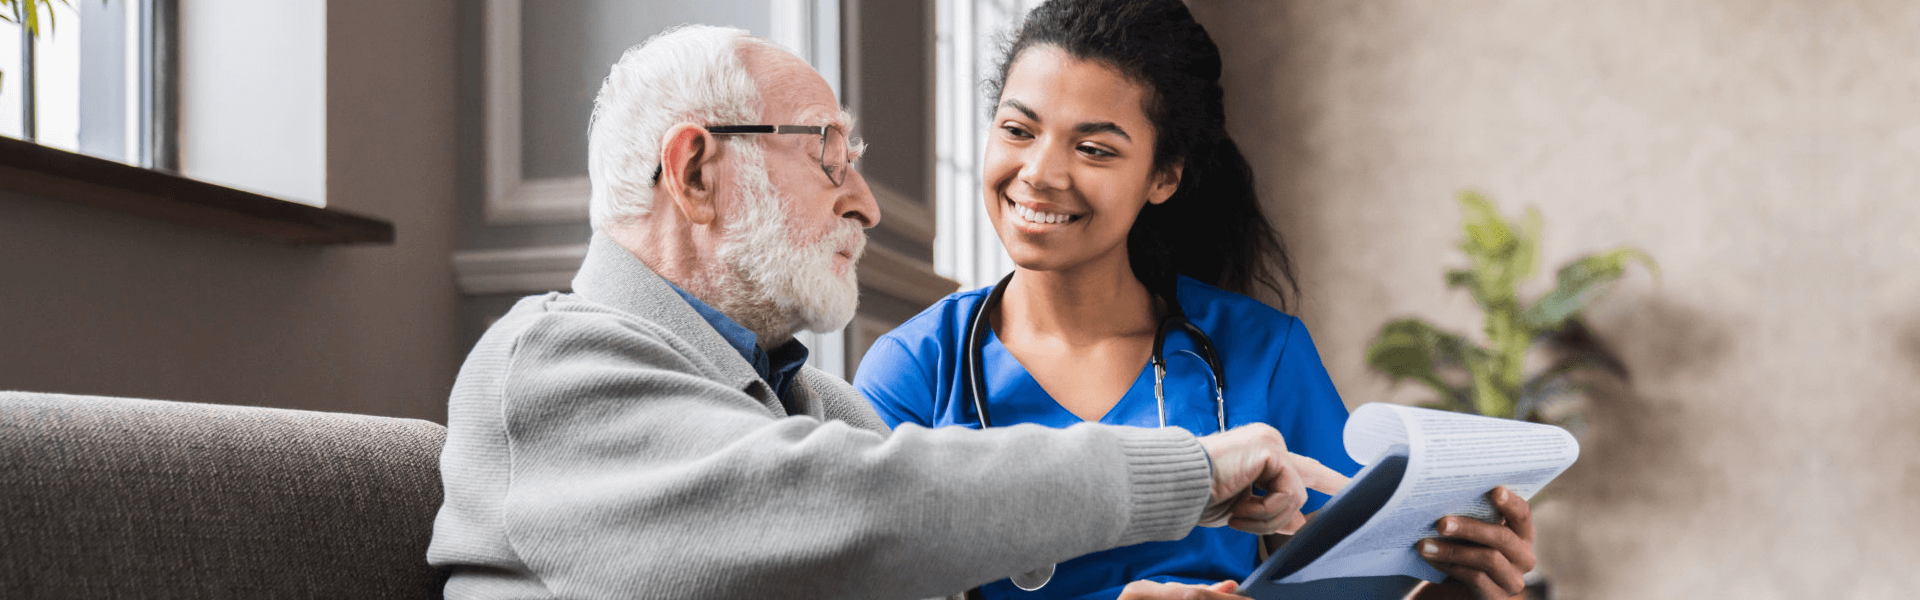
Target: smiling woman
<point x="1133" y="224"/>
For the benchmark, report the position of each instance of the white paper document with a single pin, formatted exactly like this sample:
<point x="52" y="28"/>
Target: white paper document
<point x="1451" y="460"/>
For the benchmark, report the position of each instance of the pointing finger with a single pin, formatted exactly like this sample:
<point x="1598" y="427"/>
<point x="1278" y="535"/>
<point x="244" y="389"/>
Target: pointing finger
<point x="1319" y="477"/>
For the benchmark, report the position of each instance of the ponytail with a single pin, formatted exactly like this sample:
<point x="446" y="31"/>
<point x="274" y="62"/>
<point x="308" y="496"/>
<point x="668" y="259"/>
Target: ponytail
<point x="1212" y="230"/>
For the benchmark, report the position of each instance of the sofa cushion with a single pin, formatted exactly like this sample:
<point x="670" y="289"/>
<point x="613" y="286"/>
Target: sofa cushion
<point x="114" y="497"/>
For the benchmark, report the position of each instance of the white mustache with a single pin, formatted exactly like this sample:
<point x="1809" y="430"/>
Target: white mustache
<point x="849" y="237"/>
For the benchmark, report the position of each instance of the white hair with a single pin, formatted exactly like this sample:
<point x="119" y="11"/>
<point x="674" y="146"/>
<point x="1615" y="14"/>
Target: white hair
<point x="688" y="73"/>
<point x="775" y="284"/>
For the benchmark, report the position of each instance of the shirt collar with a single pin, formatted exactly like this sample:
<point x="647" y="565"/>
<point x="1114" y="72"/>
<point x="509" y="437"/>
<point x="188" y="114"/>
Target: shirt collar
<point x="776" y="368"/>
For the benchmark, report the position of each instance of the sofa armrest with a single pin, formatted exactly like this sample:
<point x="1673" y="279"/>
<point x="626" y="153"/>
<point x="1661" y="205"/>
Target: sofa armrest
<point x="115" y="497"/>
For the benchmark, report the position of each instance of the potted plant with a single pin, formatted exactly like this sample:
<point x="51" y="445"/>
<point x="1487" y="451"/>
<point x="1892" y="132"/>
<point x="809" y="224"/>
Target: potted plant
<point x="1491" y="379"/>
<point x="1502" y="255"/>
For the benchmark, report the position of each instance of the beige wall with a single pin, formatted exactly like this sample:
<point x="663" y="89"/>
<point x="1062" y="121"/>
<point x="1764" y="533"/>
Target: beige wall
<point x="1763" y="152"/>
<point x="101" y="303"/>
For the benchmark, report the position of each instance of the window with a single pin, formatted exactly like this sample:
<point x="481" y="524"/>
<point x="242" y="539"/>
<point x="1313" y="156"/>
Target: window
<point x="111" y="78"/>
<point x="969" y="33"/>
<point x="78" y="86"/>
<point x="104" y="81"/>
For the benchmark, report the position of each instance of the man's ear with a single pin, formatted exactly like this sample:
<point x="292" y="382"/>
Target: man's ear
<point x="687" y="153"/>
<point x="1165" y="183"/>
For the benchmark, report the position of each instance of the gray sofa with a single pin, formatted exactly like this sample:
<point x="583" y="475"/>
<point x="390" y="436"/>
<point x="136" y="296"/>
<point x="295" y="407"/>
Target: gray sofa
<point x="123" y="498"/>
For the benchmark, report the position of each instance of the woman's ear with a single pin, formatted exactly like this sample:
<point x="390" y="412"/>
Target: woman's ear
<point x="1165" y="182"/>
<point x="687" y="153"/>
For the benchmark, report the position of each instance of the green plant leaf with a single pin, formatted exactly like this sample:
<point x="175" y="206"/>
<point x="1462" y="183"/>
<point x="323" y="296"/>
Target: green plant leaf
<point x="1413" y="349"/>
<point x="1579" y="283"/>
<point x="1487" y="233"/>
<point x="1461" y="278"/>
<point x="1490" y="244"/>
<point x="1540" y="389"/>
<point x="1525" y="259"/>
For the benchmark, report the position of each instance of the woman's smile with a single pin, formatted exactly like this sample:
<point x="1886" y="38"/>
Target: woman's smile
<point x="1037" y="218"/>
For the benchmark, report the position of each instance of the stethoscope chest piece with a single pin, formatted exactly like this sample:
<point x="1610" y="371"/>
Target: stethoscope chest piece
<point x="1033" y="580"/>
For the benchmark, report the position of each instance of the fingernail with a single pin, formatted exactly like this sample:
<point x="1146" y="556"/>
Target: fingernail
<point x="1429" y="548"/>
<point x="1447" y="526"/>
<point x="1500" y="494"/>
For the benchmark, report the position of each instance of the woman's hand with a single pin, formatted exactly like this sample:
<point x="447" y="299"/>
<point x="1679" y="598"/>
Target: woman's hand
<point x="1491" y="566"/>
<point x="1256" y="455"/>
<point x="1154" y="590"/>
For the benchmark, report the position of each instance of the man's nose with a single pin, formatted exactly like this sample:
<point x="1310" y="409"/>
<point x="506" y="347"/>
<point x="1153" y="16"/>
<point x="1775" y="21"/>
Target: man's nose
<point x="856" y="200"/>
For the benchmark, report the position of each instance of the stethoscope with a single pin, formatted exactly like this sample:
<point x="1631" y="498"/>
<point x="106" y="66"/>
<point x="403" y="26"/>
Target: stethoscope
<point x="1176" y="318"/>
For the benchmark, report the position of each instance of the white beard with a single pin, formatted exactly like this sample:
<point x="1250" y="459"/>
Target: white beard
<point x="780" y="285"/>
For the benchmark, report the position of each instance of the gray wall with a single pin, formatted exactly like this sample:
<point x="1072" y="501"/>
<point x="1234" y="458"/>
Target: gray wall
<point x="1763" y="152"/>
<point x="567" y="48"/>
<point x="894" y="67"/>
<point x="103" y="303"/>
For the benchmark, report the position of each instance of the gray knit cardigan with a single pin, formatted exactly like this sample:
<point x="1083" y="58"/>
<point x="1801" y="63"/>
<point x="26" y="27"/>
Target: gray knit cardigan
<point x="609" y="444"/>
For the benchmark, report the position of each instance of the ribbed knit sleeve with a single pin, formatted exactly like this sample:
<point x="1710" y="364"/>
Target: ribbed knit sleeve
<point x="633" y="472"/>
<point x="1165" y="466"/>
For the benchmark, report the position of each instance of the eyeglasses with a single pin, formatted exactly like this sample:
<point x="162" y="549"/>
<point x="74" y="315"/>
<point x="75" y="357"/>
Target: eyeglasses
<point x="835" y="150"/>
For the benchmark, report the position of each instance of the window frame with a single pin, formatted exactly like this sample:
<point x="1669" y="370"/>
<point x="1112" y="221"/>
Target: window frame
<point x="151" y="185"/>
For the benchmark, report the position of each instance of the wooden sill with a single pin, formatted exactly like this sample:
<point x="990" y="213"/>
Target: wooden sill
<point x="63" y="176"/>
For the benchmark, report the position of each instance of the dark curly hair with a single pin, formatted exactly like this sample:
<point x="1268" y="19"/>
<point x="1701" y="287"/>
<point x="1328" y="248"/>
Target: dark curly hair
<point x="1211" y="229"/>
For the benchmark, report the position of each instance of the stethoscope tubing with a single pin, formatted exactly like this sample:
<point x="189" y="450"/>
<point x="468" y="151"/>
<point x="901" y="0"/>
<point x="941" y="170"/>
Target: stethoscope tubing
<point x="1176" y="318"/>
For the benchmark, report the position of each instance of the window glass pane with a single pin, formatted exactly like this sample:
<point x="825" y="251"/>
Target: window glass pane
<point x="56" y="80"/>
<point x="11" y="80"/>
<point x="252" y="111"/>
<point x="103" y="85"/>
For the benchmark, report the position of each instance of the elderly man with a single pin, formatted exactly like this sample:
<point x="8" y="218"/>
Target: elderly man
<point x="654" y="433"/>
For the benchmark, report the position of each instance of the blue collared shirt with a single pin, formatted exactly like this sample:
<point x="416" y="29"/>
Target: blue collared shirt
<point x="777" y="368"/>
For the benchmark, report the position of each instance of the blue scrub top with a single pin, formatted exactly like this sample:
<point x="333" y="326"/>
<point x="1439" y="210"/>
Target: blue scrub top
<point x="1274" y="376"/>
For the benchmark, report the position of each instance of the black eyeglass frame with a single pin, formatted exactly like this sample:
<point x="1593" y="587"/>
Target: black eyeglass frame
<point x="837" y="175"/>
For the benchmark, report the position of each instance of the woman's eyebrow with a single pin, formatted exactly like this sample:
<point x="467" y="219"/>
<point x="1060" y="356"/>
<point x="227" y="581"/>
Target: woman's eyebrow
<point x="1016" y="105"/>
<point x="1102" y="127"/>
<point x="1095" y="127"/>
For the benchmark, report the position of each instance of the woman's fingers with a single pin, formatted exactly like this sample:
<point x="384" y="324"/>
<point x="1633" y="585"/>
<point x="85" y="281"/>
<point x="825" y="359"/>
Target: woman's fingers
<point x="1512" y="538"/>
<point x="1518" y="513"/>
<point x="1478" y="583"/>
<point x="1484" y="569"/>
<point x="1490" y="558"/>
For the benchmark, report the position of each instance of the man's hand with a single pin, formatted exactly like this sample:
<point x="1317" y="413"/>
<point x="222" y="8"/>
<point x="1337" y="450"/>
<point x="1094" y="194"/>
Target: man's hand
<point x="1253" y="455"/>
<point x="1490" y="567"/>
<point x="1154" y="590"/>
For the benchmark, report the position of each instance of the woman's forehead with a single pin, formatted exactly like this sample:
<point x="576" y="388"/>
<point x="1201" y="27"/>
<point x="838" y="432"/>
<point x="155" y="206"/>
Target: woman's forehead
<point x="1053" y="84"/>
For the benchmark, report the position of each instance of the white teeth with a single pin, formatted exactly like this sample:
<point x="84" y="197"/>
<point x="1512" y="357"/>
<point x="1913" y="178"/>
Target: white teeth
<point x="1034" y="216"/>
